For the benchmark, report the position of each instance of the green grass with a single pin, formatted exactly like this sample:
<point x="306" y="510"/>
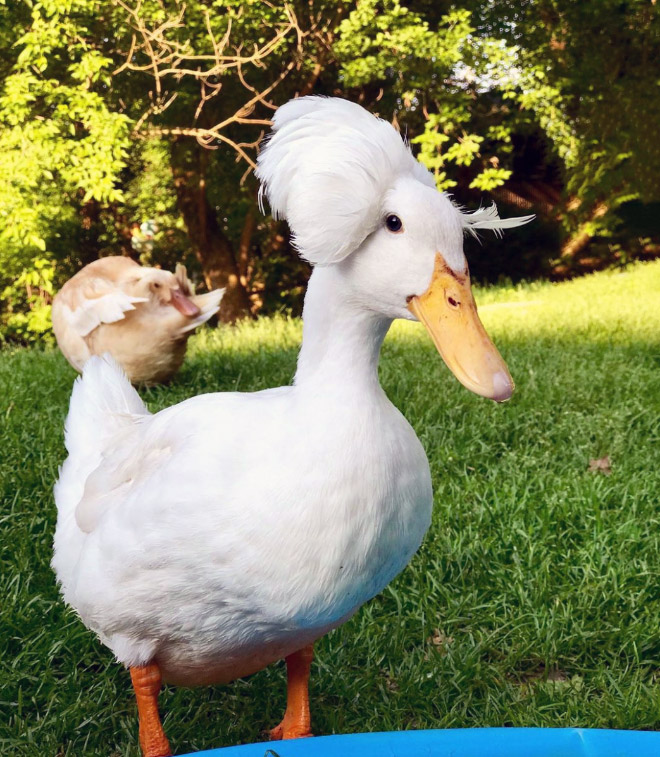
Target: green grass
<point x="534" y="601"/>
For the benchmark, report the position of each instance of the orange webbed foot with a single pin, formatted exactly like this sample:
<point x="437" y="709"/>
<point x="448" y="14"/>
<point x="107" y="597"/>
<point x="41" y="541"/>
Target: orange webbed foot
<point x="288" y="729"/>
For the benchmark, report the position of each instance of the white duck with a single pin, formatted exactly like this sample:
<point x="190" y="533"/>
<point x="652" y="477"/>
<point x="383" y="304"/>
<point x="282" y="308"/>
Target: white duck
<point x="199" y="555"/>
<point x="142" y="316"/>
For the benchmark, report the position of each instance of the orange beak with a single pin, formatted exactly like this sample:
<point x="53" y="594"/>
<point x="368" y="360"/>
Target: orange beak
<point x="448" y="311"/>
<point x="184" y="305"/>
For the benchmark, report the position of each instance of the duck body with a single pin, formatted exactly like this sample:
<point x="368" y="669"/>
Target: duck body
<point x="296" y="521"/>
<point x="232" y="530"/>
<point x="142" y="316"/>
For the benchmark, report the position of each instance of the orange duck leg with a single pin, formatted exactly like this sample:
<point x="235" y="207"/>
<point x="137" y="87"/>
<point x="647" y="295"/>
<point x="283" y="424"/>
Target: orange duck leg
<point x="296" y="723"/>
<point x="147" y="682"/>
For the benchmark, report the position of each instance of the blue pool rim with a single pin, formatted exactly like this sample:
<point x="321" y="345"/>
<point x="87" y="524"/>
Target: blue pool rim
<point x="460" y="742"/>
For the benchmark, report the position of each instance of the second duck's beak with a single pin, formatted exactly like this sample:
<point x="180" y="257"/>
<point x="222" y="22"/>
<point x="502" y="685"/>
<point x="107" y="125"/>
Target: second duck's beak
<point x="449" y="313"/>
<point x="184" y="305"/>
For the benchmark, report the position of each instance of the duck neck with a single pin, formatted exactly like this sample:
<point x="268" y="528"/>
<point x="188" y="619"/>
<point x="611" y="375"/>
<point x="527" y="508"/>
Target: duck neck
<point x="341" y="336"/>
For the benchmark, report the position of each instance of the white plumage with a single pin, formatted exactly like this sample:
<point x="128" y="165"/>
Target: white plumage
<point x="489" y="218"/>
<point x="228" y="531"/>
<point x="217" y="552"/>
<point x="335" y="150"/>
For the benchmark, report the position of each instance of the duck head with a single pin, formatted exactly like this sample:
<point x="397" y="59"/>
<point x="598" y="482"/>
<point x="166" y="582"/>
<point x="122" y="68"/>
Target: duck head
<point x="162" y="288"/>
<point x="355" y="197"/>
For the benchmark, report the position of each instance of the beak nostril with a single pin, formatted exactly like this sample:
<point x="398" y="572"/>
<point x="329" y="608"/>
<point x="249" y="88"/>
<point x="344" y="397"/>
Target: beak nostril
<point x="454" y="303"/>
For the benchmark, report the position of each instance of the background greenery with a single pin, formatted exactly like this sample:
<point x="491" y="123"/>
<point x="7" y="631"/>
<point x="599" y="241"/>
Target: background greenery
<point x="533" y="602"/>
<point x="552" y="106"/>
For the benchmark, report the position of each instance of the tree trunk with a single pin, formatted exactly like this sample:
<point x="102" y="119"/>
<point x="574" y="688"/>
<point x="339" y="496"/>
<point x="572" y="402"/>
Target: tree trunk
<point x="577" y="243"/>
<point x="211" y="246"/>
<point x="89" y="245"/>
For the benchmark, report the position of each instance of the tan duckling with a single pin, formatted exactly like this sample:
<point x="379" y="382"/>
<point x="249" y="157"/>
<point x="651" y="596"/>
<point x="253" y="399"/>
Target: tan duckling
<point x="141" y="316"/>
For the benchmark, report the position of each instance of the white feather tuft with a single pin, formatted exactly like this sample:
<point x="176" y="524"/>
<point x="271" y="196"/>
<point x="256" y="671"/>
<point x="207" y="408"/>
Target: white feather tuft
<point x="209" y="304"/>
<point x="92" y="312"/>
<point x="489" y="218"/>
<point x="103" y="405"/>
<point x="326" y="168"/>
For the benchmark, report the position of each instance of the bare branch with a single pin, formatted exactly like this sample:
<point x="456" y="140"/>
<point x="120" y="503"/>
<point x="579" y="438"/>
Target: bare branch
<point x="207" y="138"/>
<point x="157" y="52"/>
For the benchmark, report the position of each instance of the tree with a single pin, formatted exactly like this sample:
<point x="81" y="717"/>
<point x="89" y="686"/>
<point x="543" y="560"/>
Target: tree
<point x="76" y="99"/>
<point x="118" y="112"/>
<point x="87" y="101"/>
<point x="587" y="73"/>
<point x="61" y="144"/>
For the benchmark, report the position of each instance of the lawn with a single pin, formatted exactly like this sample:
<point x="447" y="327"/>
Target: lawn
<point x="534" y="600"/>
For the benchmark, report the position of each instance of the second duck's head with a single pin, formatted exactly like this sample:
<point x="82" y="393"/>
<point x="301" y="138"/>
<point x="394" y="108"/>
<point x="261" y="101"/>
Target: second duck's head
<point x="355" y="197"/>
<point x="161" y="289"/>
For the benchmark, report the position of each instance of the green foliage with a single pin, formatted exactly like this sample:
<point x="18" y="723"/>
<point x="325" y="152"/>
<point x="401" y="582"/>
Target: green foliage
<point x="62" y="144"/>
<point x="26" y="317"/>
<point x="90" y="147"/>
<point x="150" y="196"/>
<point x="490" y="178"/>
<point x="587" y="73"/>
<point x="53" y="107"/>
<point x="381" y="38"/>
<point x="422" y="68"/>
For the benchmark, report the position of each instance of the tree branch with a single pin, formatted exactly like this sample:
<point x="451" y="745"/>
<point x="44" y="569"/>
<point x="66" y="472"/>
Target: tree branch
<point x="153" y="51"/>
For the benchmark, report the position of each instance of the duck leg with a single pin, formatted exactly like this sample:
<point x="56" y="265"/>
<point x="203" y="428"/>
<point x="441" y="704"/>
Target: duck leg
<point x="146" y="682"/>
<point x="296" y="723"/>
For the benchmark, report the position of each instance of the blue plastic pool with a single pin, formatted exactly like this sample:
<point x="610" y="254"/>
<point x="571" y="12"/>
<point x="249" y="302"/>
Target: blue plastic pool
<point x="464" y="742"/>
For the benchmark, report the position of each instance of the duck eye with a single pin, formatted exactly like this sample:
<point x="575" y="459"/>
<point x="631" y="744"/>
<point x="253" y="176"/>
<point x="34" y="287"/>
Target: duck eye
<point x="156" y="285"/>
<point x="393" y="223"/>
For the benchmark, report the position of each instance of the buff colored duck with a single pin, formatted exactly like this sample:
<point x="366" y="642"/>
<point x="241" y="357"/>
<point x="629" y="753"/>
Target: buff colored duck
<point x="198" y="554"/>
<point x="142" y="316"/>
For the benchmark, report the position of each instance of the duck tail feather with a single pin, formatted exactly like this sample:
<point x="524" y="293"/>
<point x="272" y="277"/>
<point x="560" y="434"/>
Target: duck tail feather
<point x="209" y="304"/>
<point x="103" y="408"/>
<point x="103" y="404"/>
<point x="181" y="275"/>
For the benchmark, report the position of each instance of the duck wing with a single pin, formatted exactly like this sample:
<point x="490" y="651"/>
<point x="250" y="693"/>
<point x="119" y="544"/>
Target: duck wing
<point x="130" y="460"/>
<point x="98" y="301"/>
